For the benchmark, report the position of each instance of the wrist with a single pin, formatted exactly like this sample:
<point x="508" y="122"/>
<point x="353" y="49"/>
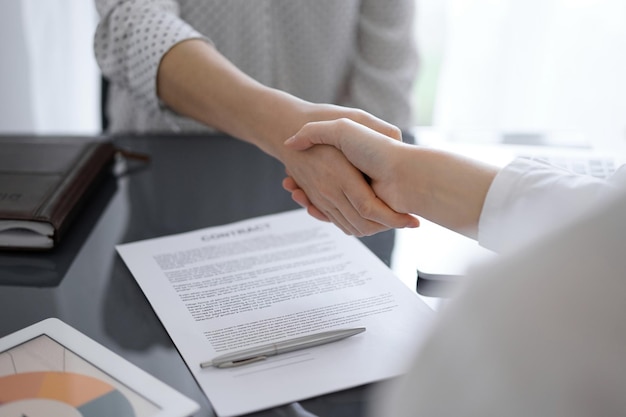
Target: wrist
<point x="196" y="81"/>
<point x="274" y="117"/>
<point x="449" y="189"/>
<point x="412" y="175"/>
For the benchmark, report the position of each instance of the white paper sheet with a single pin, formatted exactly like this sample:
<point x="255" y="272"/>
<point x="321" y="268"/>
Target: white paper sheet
<point x="271" y="278"/>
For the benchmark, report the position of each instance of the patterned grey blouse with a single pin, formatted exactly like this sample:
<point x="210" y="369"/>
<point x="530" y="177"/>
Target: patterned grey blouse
<point x="358" y="53"/>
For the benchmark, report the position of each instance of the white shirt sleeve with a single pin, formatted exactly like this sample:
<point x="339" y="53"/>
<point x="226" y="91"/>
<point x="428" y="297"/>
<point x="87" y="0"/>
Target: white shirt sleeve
<point x="528" y="199"/>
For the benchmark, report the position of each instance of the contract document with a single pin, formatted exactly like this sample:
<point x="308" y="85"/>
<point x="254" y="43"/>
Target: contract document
<point x="267" y="279"/>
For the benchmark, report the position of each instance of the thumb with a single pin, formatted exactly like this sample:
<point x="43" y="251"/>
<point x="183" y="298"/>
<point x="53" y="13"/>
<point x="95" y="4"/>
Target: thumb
<point x="313" y="133"/>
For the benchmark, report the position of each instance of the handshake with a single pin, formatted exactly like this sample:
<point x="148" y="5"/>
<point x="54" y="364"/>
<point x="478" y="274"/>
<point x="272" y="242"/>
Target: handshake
<point x="399" y="181"/>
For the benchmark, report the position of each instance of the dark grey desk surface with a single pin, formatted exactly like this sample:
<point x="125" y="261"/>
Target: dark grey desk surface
<point x="191" y="182"/>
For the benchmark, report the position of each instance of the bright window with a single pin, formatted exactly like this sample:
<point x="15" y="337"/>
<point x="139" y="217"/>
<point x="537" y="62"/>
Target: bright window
<point x="523" y="65"/>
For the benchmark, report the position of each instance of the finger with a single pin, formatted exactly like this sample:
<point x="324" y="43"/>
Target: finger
<point x="342" y="211"/>
<point x="326" y="132"/>
<point x="339" y="219"/>
<point x="379" y="213"/>
<point x="327" y="216"/>
<point x="314" y="212"/>
<point x="299" y="196"/>
<point x="333" y="206"/>
<point x="365" y="212"/>
<point x="378" y="125"/>
<point x="312" y="133"/>
<point x="370" y="215"/>
<point x="340" y="133"/>
<point x="289" y="184"/>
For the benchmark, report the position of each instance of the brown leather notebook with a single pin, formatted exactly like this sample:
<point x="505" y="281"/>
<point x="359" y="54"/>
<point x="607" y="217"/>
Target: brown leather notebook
<point x="44" y="180"/>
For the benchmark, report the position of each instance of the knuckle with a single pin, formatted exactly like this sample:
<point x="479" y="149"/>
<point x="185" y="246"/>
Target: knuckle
<point x="362" y="117"/>
<point x="343" y="123"/>
<point x="325" y="191"/>
<point x="371" y="229"/>
<point x="365" y="209"/>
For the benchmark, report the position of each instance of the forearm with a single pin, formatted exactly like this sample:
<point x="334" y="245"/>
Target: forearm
<point x="196" y="81"/>
<point x="447" y="189"/>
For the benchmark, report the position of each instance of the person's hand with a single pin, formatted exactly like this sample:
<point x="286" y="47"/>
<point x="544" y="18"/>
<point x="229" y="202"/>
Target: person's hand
<point x="196" y="81"/>
<point x="370" y="152"/>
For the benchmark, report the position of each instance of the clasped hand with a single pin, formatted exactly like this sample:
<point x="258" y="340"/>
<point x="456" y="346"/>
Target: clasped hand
<point x="356" y="206"/>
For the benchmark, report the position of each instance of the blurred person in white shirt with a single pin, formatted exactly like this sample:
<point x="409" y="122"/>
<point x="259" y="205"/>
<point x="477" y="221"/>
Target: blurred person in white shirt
<point x="540" y="330"/>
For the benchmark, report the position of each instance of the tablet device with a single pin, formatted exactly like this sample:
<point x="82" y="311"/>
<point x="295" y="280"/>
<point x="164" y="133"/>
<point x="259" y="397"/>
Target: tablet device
<point x="50" y="368"/>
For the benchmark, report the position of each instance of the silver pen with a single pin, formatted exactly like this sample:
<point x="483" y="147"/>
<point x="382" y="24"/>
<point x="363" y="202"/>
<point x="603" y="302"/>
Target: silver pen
<point x="260" y="353"/>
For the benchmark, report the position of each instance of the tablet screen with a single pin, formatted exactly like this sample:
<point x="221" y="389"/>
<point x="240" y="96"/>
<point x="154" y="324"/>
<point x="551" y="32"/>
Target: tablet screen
<point x="41" y="377"/>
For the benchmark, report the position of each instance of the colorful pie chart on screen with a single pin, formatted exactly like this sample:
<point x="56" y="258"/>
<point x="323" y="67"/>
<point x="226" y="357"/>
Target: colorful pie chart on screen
<point x="38" y="394"/>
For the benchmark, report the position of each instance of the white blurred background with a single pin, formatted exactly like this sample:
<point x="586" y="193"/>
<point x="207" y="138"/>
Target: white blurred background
<point x="514" y="65"/>
<point x="524" y="65"/>
<point x="49" y="81"/>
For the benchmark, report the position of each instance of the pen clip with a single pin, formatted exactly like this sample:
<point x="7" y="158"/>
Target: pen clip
<point x="233" y="364"/>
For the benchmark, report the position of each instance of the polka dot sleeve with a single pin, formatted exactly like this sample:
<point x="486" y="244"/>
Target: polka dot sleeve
<point x="131" y="39"/>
